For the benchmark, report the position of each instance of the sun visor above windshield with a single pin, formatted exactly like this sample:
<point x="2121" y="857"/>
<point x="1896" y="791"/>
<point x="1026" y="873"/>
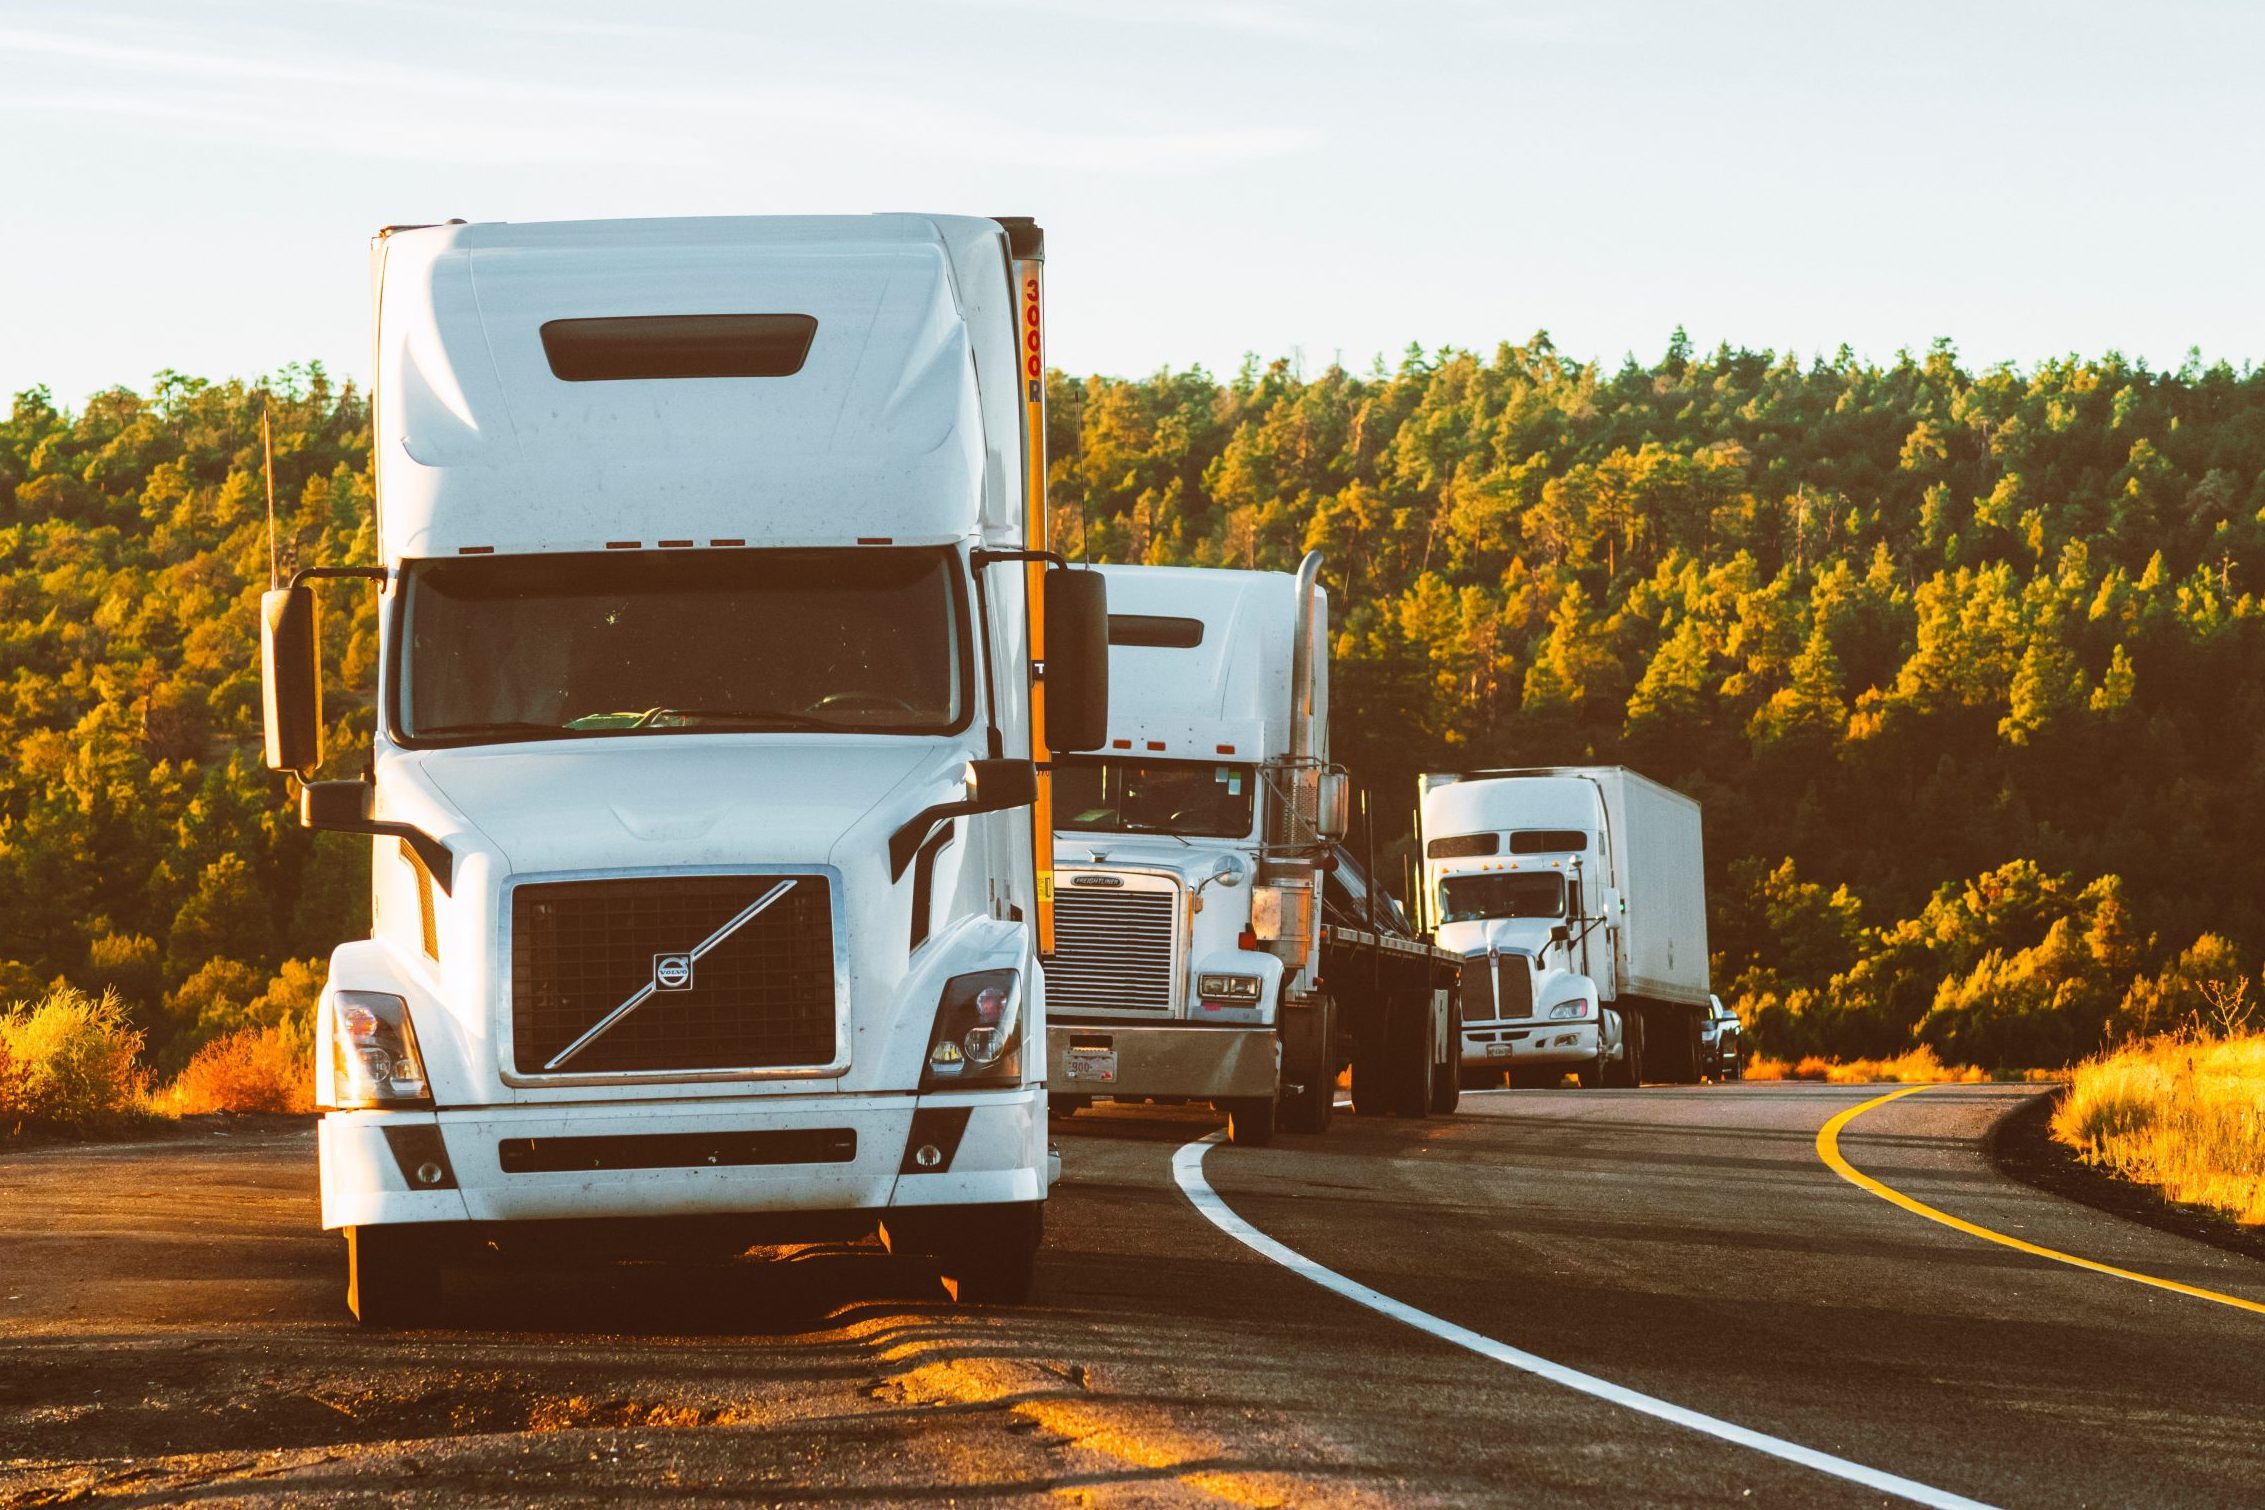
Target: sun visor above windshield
<point x="663" y="403"/>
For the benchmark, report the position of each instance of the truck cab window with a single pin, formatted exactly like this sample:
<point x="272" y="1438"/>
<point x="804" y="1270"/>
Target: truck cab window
<point x="860" y="641"/>
<point x="1501" y="894"/>
<point x="1154" y="797"/>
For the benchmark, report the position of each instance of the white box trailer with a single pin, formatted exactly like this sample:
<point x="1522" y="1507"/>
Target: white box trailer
<point x="1596" y="867"/>
<point x="709" y="784"/>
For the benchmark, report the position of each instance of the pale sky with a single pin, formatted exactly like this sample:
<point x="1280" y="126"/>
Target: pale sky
<point x="192" y="183"/>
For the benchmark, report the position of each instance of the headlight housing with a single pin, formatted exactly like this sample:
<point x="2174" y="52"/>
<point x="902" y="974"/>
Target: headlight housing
<point x="373" y="1052"/>
<point x="1230" y="988"/>
<point x="1579" y="1007"/>
<point x="977" y="1039"/>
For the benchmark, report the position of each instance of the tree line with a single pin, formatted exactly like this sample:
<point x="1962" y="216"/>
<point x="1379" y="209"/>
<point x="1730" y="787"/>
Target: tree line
<point x="1964" y="665"/>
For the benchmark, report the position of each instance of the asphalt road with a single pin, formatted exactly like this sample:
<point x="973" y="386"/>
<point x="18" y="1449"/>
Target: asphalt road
<point x="172" y="1332"/>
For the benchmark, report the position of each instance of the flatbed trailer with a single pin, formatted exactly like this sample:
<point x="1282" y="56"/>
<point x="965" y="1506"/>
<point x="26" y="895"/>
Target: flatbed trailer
<point x="1395" y="1017"/>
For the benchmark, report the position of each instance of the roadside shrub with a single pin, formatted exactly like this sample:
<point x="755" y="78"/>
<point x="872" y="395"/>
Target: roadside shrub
<point x="2184" y="1115"/>
<point x="71" y="1062"/>
<point x="249" y="1070"/>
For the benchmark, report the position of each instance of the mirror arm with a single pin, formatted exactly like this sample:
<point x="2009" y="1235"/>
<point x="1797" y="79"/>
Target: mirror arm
<point x="983" y="556"/>
<point x="376" y="574"/>
<point x="436" y="856"/>
<point x="906" y="841"/>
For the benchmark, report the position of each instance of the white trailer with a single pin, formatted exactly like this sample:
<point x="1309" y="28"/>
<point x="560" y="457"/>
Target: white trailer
<point x="1595" y="868"/>
<point x="711" y="870"/>
<point x="1200" y="958"/>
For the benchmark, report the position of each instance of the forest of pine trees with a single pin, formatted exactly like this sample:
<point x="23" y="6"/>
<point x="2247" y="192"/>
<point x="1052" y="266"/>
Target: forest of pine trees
<point x="1968" y="668"/>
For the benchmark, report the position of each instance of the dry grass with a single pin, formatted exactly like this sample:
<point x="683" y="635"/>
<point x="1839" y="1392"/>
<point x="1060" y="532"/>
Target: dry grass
<point x="250" y="1070"/>
<point x="69" y="1061"/>
<point x="2186" y="1115"/>
<point x="1919" y="1067"/>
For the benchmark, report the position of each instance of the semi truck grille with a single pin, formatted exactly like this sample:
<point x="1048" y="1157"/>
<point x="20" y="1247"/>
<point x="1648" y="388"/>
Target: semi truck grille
<point x="1113" y="950"/>
<point x="1483" y="1002"/>
<point x="722" y="978"/>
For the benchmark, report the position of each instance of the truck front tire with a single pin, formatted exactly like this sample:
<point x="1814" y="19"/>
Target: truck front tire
<point x="1446" y="1074"/>
<point x="1250" y="1120"/>
<point x="986" y="1255"/>
<point x="393" y="1275"/>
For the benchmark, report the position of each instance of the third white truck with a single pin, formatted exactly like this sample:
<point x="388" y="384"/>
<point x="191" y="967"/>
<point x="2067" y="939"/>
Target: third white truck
<point x="1576" y="896"/>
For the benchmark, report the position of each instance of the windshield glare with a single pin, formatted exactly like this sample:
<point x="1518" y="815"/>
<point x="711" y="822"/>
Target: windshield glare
<point x="1153" y="797"/>
<point x="550" y="647"/>
<point x="1502" y="894"/>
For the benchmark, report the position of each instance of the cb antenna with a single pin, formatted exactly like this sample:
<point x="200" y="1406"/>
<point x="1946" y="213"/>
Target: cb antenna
<point x="267" y="470"/>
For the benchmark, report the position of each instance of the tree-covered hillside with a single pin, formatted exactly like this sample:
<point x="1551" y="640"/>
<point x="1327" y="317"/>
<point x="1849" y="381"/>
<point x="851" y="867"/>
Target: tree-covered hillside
<point x="1966" y="667"/>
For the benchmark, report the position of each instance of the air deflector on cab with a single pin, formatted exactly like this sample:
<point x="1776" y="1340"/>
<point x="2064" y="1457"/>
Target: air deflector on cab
<point x="624" y="347"/>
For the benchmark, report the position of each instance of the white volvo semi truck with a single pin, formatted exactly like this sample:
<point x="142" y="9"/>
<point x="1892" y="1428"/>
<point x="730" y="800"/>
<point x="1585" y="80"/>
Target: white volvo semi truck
<point x="1215" y="942"/>
<point x="1577" y="898"/>
<point x="722" y="664"/>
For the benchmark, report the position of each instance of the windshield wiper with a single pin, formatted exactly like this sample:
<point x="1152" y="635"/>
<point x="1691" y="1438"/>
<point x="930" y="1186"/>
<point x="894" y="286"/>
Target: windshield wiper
<point x="735" y="719"/>
<point x="473" y="731"/>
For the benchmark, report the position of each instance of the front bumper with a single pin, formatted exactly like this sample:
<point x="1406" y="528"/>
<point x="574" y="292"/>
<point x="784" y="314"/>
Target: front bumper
<point x="1162" y="1059"/>
<point x="1518" y="1044"/>
<point x="832" y="1153"/>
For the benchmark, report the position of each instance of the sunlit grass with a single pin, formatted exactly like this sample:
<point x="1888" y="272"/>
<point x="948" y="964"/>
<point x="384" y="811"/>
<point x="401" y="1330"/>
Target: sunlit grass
<point x="2186" y="1115"/>
<point x="1919" y="1067"/>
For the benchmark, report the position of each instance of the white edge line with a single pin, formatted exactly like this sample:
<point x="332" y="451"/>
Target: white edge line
<point x="1187" y="1168"/>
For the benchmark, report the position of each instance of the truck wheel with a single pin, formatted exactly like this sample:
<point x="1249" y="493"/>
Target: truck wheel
<point x="988" y="1255"/>
<point x="1250" y="1120"/>
<point x="1628" y="1070"/>
<point x="1372" y="1073"/>
<point x="1309" y="1109"/>
<point x="1446" y="1081"/>
<point x="1671" y="1044"/>
<point x="393" y="1275"/>
<point x="1408" y="1049"/>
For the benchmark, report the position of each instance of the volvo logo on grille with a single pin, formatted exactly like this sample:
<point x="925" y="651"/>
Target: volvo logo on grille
<point x="672" y="972"/>
<point x="1097" y="880"/>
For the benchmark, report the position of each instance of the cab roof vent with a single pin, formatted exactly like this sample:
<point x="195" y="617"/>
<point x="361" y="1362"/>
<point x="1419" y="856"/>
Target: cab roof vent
<point x="629" y="347"/>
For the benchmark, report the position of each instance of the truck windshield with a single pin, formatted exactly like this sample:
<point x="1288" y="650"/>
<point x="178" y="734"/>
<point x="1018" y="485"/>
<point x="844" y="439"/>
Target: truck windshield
<point x="866" y="641"/>
<point x="1153" y="797"/>
<point x="1502" y="894"/>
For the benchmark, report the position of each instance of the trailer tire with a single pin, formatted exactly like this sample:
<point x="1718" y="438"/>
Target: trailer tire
<point x="1446" y="1079"/>
<point x="393" y="1276"/>
<point x="988" y="1255"/>
<point x="1628" y="1071"/>
<point x="1372" y="1066"/>
<point x="1407" y="1050"/>
<point x="1671" y="1043"/>
<point x="1250" y="1120"/>
<point x="1310" y="1107"/>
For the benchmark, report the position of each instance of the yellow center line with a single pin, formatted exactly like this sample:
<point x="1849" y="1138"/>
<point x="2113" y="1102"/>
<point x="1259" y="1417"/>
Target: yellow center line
<point x="1828" y="1149"/>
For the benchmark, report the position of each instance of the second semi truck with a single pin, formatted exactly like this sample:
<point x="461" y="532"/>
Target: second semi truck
<point x="1211" y="945"/>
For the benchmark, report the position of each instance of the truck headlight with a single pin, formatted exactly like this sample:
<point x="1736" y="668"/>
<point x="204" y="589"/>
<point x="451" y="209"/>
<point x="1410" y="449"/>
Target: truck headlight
<point x="1229" y="987"/>
<point x="1570" y="1009"/>
<point x="373" y="1052"/>
<point x="978" y="1032"/>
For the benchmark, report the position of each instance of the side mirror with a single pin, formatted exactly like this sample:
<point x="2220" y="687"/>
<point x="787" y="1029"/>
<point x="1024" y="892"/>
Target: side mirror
<point x="1077" y="659"/>
<point x="291" y="679"/>
<point x="340" y="807"/>
<point x="992" y="786"/>
<point x="996" y="785"/>
<point x="1335" y="818"/>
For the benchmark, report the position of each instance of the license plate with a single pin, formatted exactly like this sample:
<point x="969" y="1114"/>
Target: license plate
<point x="1091" y="1064"/>
<point x="1498" y="1051"/>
